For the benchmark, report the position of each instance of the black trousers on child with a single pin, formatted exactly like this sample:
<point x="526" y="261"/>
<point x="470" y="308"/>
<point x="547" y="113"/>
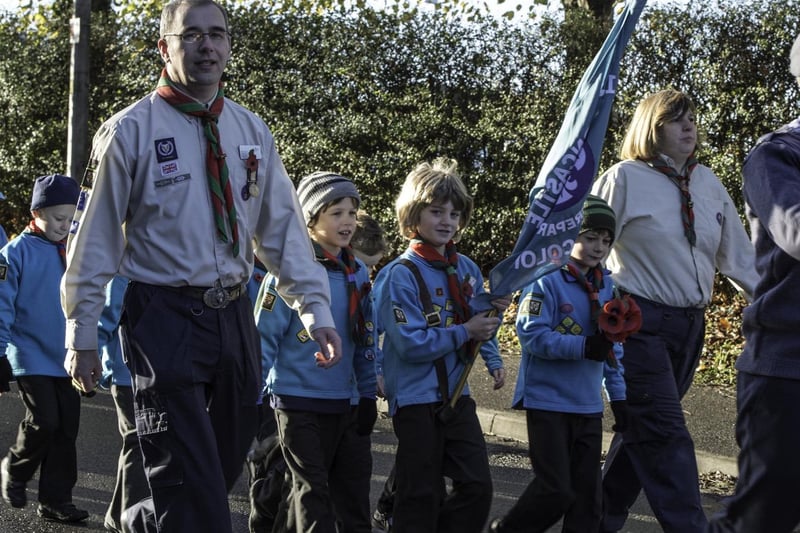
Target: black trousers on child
<point x="565" y="451"/>
<point x="351" y="476"/>
<point x="46" y="437"/>
<point x="310" y="442"/>
<point x="429" y="450"/>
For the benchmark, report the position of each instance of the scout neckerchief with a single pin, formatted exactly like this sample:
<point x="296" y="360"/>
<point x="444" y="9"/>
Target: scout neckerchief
<point x="61" y="245"/>
<point x="682" y="182"/>
<point x="347" y="264"/>
<point x="449" y="264"/>
<point x="217" y="171"/>
<point x="592" y="287"/>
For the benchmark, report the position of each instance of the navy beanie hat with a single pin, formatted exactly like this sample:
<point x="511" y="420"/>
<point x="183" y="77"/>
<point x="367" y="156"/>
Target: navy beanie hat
<point x="55" y="189"/>
<point x="320" y="188"/>
<point x="597" y="214"/>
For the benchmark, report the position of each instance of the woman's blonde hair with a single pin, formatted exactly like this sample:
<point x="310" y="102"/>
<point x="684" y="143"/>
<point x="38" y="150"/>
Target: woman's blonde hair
<point x="432" y="183"/>
<point x="643" y="136"/>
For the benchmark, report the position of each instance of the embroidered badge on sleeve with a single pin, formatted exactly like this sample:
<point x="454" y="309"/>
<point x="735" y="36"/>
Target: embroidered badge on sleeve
<point x="399" y="314"/>
<point x="531" y="305"/>
<point x="88" y="175"/>
<point x="269" y="301"/>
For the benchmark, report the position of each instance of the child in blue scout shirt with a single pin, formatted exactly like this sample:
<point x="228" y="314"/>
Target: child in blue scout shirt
<point x="32" y="329"/>
<point x="353" y="462"/>
<point x="562" y="371"/>
<point x="352" y="467"/>
<point x="312" y="404"/>
<point x="131" y="505"/>
<point x="425" y="347"/>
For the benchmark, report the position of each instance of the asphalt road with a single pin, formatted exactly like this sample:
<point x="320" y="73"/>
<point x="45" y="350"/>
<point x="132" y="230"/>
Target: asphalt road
<point x="98" y="446"/>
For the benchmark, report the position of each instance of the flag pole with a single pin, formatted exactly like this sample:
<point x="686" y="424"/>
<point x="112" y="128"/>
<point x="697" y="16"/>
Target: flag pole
<point x="448" y="411"/>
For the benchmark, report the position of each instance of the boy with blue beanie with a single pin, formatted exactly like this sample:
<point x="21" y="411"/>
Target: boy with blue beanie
<point x="313" y="403"/>
<point x="29" y="306"/>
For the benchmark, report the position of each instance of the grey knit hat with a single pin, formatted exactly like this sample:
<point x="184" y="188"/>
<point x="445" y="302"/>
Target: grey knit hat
<point x="597" y="214"/>
<point x="321" y="188"/>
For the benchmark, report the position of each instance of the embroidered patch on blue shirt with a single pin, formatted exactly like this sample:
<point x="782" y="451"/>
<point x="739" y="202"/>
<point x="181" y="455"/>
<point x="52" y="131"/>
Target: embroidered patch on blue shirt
<point x="532" y="305"/>
<point x="303" y="335"/>
<point x="269" y="301"/>
<point x="399" y="315"/>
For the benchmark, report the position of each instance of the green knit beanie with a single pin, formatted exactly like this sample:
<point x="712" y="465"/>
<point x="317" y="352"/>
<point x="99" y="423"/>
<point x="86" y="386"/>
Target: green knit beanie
<point x="597" y="214"/>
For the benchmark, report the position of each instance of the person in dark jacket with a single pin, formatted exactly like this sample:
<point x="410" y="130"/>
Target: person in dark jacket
<point x="768" y="380"/>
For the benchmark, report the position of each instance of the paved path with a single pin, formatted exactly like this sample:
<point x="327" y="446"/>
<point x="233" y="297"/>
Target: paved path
<point x="710" y="416"/>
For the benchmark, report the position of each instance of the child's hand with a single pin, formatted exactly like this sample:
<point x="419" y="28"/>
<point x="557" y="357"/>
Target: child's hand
<point x="330" y="347"/>
<point x="481" y="327"/>
<point x="499" y="376"/>
<point x="502" y="303"/>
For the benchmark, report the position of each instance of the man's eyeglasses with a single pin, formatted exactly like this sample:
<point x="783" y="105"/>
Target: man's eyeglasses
<point x="194" y="37"/>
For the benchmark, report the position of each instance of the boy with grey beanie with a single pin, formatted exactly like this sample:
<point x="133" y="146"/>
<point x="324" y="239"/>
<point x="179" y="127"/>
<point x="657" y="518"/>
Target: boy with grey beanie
<point x="322" y="415"/>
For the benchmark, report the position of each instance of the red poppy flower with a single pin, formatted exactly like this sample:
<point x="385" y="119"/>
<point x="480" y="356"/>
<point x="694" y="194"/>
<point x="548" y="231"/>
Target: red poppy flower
<point x="620" y="318"/>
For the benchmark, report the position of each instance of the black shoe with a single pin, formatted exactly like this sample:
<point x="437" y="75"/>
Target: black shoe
<point x="13" y="491"/>
<point x="65" y="513"/>
<point x="382" y="521"/>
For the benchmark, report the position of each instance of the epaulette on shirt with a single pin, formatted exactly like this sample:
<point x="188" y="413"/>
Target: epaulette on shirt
<point x="791" y="127"/>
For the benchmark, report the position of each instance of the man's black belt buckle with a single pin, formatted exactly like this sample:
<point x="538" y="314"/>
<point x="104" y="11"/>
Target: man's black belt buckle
<point x="218" y="297"/>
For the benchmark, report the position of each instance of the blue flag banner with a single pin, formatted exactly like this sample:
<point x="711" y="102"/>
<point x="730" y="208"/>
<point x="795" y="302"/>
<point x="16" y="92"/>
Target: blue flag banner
<point x="556" y="199"/>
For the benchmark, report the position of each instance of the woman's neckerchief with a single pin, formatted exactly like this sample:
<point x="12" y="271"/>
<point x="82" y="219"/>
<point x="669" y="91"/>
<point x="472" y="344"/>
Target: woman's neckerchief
<point x="61" y="245"/>
<point x="219" y="183"/>
<point x="449" y="264"/>
<point x="592" y="287"/>
<point x="682" y="182"/>
<point x="346" y="262"/>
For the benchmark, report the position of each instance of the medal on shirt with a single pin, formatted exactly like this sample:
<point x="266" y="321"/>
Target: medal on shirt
<point x="251" y="187"/>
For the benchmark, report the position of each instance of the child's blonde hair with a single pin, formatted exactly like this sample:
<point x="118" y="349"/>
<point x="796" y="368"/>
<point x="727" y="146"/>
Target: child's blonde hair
<point x="432" y="183"/>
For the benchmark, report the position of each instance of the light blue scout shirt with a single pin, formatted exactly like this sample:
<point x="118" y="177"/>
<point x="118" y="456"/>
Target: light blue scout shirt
<point x="553" y="321"/>
<point x="32" y="324"/>
<point x="410" y="347"/>
<point x="288" y="350"/>
<point x="114" y="369"/>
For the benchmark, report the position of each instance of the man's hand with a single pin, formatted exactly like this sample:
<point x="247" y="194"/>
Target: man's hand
<point x="499" y="376"/>
<point x="83" y="366"/>
<point x="6" y="375"/>
<point x="330" y="347"/>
